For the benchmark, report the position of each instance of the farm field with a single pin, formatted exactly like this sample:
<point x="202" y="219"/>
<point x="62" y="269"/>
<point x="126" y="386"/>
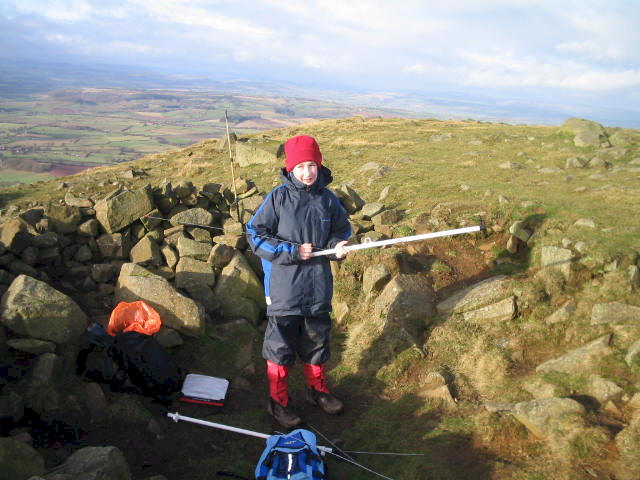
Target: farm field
<point x="48" y="133"/>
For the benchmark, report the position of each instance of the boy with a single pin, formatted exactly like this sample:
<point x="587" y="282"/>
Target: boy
<point x="295" y="218"/>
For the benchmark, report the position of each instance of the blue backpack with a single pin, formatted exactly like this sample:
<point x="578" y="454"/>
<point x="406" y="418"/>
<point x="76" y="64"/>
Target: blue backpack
<point x="294" y="456"/>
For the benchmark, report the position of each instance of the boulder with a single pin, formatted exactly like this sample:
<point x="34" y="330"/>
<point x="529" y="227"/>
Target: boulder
<point x="15" y="235"/>
<point x="63" y="219"/>
<point x="239" y="290"/>
<point x="476" y="296"/>
<point x="170" y="254"/>
<point x="375" y="278"/>
<point x="370" y="210"/>
<point x="76" y="200"/>
<point x="614" y="313"/>
<point x="251" y="154"/>
<point x="496" y="312"/>
<point x="115" y="246"/>
<point x="519" y="230"/>
<point x="633" y="354"/>
<point x="603" y="390"/>
<point x="93" y="463"/>
<point x="557" y="258"/>
<point x="146" y="251"/>
<point x="193" y="216"/>
<point x="192" y="248"/>
<point x="32" y="345"/>
<point x="551" y="419"/>
<point x="388" y="217"/>
<point x="190" y="271"/>
<point x="176" y="310"/>
<point x="90" y="228"/>
<point x="43" y="384"/>
<point x="406" y="304"/>
<point x="586" y="132"/>
<point x="579" y="360"/>
<point x="349" y="199"/>
<point x="123" y="209"/>
<point x="19" y="461"/>
<point x="628" y="443"/>
<point x="34" y="309"/>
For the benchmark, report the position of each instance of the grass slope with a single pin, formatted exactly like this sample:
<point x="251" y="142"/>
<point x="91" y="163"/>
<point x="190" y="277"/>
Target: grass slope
<point x="454" y="171"/>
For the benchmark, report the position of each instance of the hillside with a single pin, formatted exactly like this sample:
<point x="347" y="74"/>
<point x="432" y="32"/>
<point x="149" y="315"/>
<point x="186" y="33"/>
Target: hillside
<point x="509" y="354"/>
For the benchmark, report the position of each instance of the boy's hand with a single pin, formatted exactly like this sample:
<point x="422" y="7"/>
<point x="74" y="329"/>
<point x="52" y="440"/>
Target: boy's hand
<point x="341" y="251"/>
<point x="305" y="251"/>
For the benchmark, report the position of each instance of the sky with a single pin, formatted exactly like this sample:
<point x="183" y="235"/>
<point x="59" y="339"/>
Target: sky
<point x="582" y="52"/>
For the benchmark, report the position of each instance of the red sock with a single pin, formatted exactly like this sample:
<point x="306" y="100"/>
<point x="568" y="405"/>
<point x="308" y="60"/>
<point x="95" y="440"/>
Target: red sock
<point x="316" y="378"/>
<point x="278" y="388"/>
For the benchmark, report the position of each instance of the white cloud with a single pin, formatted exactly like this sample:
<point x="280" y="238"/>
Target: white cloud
<point x="590" y="49"/>
<point x="182" y="12"/>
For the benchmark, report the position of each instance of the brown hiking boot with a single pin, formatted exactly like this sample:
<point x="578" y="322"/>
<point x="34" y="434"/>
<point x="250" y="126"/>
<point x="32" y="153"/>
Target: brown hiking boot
<point x="325" y="401"/>
<point x="283" y="415"/>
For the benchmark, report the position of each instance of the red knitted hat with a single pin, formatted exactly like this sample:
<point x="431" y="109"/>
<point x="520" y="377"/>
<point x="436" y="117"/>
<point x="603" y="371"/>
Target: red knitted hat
<point x="302" y="148"/>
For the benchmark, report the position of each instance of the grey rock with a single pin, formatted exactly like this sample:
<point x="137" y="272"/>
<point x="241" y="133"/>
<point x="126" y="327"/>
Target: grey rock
<point x="603" y="390"/>
<point x="557" y="258"/>
<point x="32" y="345"/>
<point x="93" y="463"/>
<point x="176" y="310"/>
<point x="63" y="219"/>
<point x="123" y="209"/>
<point x="146" y="251"/>
<point x="628" y="443"/>
<point x="561" y="315"/>
<point x="90" y="228"/>
<point x="193" y="216"/>
<point x="190" y="271"/>
<point x="614" y="313"/>
<point x="553" y="419"/>
<point x="34" y="309"/>
<point x="19" y="460"/>
<point x="11" y="407"/>
<point x="375" y="277"/>
<point x="170" y="254"/>
<point x="371" y="210"/>
<point x="103" y="272"/>
<point x="478" y="295"/>
<point x="239" y="290"/>
<point x="406" y="305"/>
<point x="633" y="353"/>
<point x="191" y="248"/>
<point x="114" y="246"/>
<point x="251" y="154"/>
<point x="497" y="312"/>
<point x="579" y="360"/>
<point x="519" y="230"/>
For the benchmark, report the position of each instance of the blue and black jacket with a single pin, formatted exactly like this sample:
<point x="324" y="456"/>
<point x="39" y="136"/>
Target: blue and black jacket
<point x="297" y="213"/>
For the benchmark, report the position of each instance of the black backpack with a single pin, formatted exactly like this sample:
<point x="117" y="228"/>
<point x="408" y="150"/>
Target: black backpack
<point x="148" y="365"/>
<point x="129" y="362"/>
<point x="95" y="360"/>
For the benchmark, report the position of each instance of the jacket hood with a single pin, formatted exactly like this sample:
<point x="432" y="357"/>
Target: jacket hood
<point x="324" y="179"/>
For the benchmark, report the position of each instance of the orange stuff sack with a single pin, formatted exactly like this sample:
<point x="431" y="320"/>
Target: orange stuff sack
<point x="134" y="317"/>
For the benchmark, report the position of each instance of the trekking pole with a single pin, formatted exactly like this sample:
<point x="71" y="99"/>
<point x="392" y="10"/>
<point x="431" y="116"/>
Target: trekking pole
<point x="233" y="175"/>
<point x="392" y="241"/>
<point x="176" y="417"/>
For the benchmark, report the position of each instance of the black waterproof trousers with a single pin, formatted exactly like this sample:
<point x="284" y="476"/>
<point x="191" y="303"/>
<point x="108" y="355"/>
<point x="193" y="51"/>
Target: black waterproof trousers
<point x="308" y="337"/>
